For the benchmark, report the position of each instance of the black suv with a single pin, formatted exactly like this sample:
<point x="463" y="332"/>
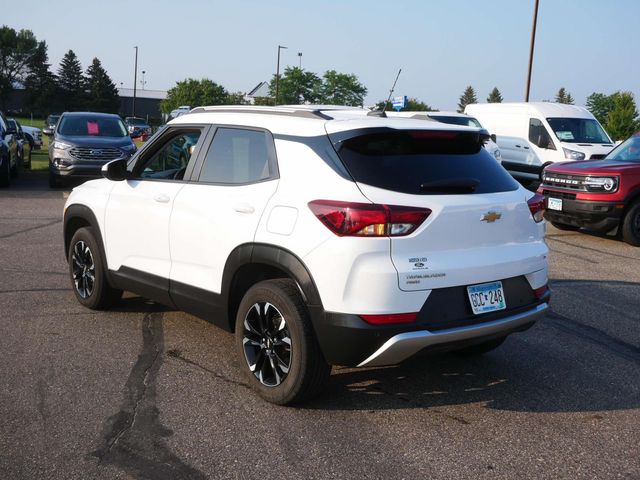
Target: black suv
<point x="8" y="152"/>
<point x="83" y="142"/>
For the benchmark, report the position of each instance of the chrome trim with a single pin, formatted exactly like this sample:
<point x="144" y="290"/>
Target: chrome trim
<point x="404" y="345"/>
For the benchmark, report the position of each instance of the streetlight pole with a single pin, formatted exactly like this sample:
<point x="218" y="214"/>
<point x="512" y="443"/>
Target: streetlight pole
<point x="278" y="73"/>
<point x="533" y="43"/>
<point x="135" y="81"/>
<point x="300" y="59"/>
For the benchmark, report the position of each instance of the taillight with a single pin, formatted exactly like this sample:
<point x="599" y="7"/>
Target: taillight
<point x="368" y="219"/>
<point x="536" y="206"/>
<point x="390" y="319"/>
<point x="540" y="291"/>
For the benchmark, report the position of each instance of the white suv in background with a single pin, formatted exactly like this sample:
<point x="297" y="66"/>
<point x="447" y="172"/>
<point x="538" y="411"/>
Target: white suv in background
<point x="318" y="238"/>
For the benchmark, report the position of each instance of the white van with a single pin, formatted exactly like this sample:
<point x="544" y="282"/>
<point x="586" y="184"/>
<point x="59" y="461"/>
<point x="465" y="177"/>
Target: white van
<point x="533" y="135"/>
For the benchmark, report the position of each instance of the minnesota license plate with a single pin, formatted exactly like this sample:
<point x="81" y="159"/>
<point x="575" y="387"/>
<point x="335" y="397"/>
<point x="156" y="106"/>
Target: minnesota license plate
<point x="487" y="297"/>
<point x="554" y="204"/>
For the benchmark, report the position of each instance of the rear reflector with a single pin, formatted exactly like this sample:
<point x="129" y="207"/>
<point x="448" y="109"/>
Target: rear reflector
<point x="390" y="319"/>
<point x="368" y="219"/>
<point x="536" y="206"/>
<point x="540" y="291"/>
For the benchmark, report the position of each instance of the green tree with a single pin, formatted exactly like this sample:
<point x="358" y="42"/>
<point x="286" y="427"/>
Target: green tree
<point x="495" y="96"/>
<point x="622" y="119"/>
<point x="264" y="101"/>
<point x="467" y="98"/>
<point x="101" y="92"/>
<point x="236" y="98"/>
<point x="413" y="105"/>
<point x="40" y="83"/>
<point x="194" y="93"/>
<point x="16" y="51"/>
<point x="600" y="105"/>
<point x="564" y="97"/>
<point x="71" y="82"/>
<point x="296" y="86"/>
<point x="341" y="89"/>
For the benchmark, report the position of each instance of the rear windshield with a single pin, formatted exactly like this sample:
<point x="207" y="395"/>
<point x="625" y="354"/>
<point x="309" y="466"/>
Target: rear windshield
<point x="422" y="162"/>
<point x="453" y="120"/>
<point x="87" y="125"/>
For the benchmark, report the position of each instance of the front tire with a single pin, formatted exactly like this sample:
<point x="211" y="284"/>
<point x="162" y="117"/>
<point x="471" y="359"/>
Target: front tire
<point x="276" y="344"/>
<point x="88" y="272"/>
<point x="55" y="181"/>
<point x="631" y="225"/>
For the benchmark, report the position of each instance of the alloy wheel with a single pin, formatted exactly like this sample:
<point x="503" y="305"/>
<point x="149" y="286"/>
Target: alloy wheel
<point x="84" y="269"/>
<point x="267" y="344"/>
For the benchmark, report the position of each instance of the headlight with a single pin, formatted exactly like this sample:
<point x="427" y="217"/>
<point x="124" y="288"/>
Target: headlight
<point x="497" y="154"/>
<point x="572" y="154"/>
<point x="601" y="184"/>
<point x="129" y="148"/>
<point x="61" y="145"/>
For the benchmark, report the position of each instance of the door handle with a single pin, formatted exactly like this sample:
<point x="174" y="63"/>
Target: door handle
<point x="243" y="208"/>
<point x="517" y="146"/>
<point x="162" y="198"/>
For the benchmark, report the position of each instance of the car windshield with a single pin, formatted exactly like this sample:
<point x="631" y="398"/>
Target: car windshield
<point x="627" y="151"/>
<point x="578" y="130"/>
<point x="136" y="121"/>
<point x="89" y="125"/>
<point x="422" y="162"/>
<point x="454" y="120"/>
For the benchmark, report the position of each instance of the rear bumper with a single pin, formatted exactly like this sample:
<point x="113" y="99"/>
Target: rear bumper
<point x="404" y="345"/>
<point x="582" y="213"/>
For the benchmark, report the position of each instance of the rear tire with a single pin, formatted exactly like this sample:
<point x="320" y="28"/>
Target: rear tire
<point x="631" y="225"/>
<point x="565" y="227"/>
<point x="276" y="344"/>
<point x="88" y="272"/>
<point x="481" y="348"/>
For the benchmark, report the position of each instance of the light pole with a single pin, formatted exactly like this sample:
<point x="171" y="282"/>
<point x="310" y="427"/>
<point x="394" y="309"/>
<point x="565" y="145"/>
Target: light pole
<point x="278" y="73"/>
<point x="300" y="60"/>
<point x="135" y="81"/>
<point x="533" y="43"/>
<point x="142" y="82"/>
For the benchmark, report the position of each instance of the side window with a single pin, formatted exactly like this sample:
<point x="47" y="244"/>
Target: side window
<point x="237" y="156"/>
<point x="171" y="160"/>
<point x="539" y="136"/>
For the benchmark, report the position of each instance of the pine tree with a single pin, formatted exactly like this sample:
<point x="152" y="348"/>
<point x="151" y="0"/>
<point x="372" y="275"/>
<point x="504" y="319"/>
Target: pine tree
<point x="40" y="82"/>
<point x="622" y="119"/>
<point x="495" y="96"/>
<point x="102" y="94"/>
<point x="70" y="82"/>
<point x="468" y="97"/>
<point x="564" y="97"/>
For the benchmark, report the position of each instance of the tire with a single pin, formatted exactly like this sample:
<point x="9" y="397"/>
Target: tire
<point x="5" y="174"/>
<point x="481" y="348"/>
<point x="87" y="272"/>
<point x="54" y="180"/>
<point x="631" y="225"/>
<point x="14" y="169"/>
<point x="28" y="164"/>
<point x="565" y="227"/>
<point x="273" y="324"/>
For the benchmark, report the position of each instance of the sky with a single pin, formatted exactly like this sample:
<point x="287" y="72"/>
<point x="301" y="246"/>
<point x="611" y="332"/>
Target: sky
<point x="441" y="46"/>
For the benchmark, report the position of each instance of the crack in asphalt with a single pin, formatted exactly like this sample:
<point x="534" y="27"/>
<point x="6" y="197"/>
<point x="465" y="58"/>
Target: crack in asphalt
<point x="132" y="438"/>
<point x="174" y="353"/>
<point x="27" y="290"/>
<point x="30" y="229"/>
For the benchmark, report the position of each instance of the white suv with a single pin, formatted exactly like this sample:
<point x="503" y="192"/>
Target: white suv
<point x="318" y="238"/>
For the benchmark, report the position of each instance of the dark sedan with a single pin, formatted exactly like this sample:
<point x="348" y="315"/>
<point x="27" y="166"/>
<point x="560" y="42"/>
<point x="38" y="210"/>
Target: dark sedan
<point x="83" y="142"/>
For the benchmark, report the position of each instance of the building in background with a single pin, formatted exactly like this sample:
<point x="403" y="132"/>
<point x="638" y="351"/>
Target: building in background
<point x="147" y="103"/>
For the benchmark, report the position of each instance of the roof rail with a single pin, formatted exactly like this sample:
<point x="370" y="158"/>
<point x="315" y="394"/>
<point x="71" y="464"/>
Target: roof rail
<point x="294" y="111"/>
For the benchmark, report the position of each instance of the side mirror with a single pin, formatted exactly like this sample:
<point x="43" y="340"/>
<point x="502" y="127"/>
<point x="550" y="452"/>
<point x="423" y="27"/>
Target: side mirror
<point x="115" y="170"/>
<point x="543" y="141"/>
<point x="493" y="138"/>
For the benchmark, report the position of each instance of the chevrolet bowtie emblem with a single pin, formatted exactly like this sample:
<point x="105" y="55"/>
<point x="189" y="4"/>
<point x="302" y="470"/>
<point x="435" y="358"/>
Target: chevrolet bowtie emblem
<point x="491" y="217"/>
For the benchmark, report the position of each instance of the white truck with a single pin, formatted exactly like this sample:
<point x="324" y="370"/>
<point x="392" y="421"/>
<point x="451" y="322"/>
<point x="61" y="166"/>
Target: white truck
<point x="533" y="135"/>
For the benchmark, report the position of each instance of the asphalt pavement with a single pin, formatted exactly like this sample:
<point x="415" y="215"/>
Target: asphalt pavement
<point x="144" y="392"/>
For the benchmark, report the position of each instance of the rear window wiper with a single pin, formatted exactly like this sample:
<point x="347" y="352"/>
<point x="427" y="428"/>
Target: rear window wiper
<point x="453" y="185"/>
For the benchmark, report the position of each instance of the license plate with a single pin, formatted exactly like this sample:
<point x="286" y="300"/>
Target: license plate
<point x="487" y="297"/>
<point x="554" y="204"/>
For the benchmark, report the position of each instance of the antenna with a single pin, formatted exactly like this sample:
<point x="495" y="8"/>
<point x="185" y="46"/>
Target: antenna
<point x="391" y="91"/>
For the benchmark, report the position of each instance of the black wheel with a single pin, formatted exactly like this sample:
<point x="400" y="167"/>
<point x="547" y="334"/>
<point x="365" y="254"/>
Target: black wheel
<point x="631" y="225"/>
<point x="565" y="227"/>
<point x="14" y="169"/>
<point x="54" y="180"/>
<point x="481" y="348"/>
<point x="5" y="173"/>
<point x="27" y="164"/>
<point x="87" y="271"/>
<point x="276" y="343"/>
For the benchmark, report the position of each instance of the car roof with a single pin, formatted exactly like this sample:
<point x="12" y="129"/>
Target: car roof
<point x="306" y="120"/>
<point x="93" y="114"/>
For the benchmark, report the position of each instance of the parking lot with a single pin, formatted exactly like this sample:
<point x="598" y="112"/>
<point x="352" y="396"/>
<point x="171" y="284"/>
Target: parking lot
<point x="144" y="392"/>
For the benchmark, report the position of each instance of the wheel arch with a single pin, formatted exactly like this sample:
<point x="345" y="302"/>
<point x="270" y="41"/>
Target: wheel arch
<point x="76" y="217"/>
